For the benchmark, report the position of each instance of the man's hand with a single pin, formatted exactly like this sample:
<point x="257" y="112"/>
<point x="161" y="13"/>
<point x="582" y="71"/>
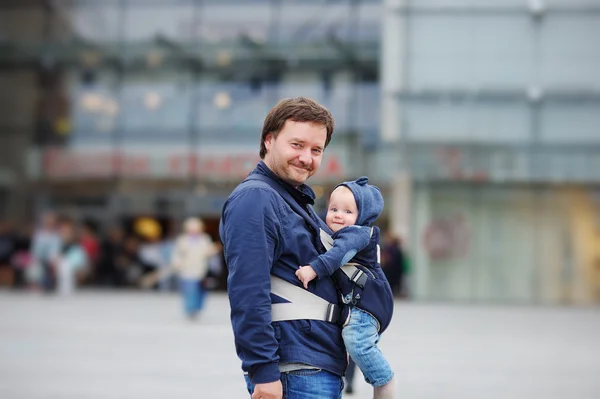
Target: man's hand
<point x="268" y="390"/>
<point x="306" y="274"/>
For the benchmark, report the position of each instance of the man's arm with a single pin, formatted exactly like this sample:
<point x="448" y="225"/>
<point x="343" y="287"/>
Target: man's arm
<point x="250" y="238"/>
<point x="349" y="241"/>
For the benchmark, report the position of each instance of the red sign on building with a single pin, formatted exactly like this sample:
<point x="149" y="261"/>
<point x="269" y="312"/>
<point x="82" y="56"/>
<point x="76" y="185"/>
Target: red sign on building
<point x="78" y="164"/>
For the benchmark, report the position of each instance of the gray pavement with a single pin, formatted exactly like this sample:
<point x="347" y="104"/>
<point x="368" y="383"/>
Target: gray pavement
<point x="137" y="345"/>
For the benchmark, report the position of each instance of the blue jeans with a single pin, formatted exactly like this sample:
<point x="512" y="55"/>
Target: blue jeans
<point x="361" y="338"/>
<point x="308" y="384"/>
<point x="193" y="296"/>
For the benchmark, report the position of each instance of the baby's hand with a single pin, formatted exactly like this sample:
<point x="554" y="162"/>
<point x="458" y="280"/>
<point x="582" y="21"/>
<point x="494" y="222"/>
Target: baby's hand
<point x="306" y="274"/>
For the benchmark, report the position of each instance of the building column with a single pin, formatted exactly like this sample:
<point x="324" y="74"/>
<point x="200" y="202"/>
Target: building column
<point x="400" y="206"/>
<point x="393" y="76"/>
<point x="393" y="69"/>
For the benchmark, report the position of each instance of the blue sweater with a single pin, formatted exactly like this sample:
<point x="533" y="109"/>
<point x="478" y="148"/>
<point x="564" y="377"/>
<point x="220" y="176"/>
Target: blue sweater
<point x="263" y="235"/>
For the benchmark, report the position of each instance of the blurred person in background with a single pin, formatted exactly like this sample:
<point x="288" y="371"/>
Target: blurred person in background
<point x="149" y="231"/>
<point x="45" y="247"/>
<point x="215" y="270"/>
<point x="166" y="248"/>
<point x="151" y="254"/>
<point x="267" y="232"/>
<point x="90" y="243"/>
<point x="71" y="261"/>
<point x="190" y="261"/>
<point x="349" y="378"/>
<point x="129" y="264"/>
<point x="393" y="262"/>
<point x="22" y="255"/>
<point x="111" y="250"/>
<point x="8" y="243"/>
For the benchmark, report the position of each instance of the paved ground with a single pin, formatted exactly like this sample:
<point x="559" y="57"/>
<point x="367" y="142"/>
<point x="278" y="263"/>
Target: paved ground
<point x="137" y="345"/>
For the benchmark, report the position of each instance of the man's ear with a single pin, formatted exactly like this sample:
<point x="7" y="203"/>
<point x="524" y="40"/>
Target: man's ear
<point x="268" y="141"/>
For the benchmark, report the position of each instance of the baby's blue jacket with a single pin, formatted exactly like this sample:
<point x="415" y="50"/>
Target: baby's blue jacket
<point x="357" y="244"/>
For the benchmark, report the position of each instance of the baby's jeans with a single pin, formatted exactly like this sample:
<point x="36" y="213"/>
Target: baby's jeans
<point x="361" y="338"/>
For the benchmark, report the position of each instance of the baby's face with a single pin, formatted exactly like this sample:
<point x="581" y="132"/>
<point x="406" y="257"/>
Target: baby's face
<point x="342" y="209"/>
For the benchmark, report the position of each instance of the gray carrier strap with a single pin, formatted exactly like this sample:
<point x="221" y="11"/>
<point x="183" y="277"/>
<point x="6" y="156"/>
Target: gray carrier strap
<point x="303" y="304"/>
<point x="326" y="239"/>
<point x="357" y="276"/>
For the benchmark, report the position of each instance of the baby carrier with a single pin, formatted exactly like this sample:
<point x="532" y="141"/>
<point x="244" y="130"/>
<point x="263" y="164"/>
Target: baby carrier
<point x="365" y="288"/>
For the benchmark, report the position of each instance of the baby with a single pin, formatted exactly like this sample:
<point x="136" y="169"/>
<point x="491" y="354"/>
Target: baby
<point x="353" y="207"/>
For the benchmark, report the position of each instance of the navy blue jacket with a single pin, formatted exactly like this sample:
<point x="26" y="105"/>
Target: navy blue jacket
<point x="263" y="235"/>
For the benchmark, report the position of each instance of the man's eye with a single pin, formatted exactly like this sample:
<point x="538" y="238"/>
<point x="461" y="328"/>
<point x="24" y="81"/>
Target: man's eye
<point x="296" y="145"/>
<point x="317" y="152"/>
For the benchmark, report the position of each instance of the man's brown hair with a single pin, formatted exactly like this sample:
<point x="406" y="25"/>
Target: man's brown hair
<point x="297" y="109"/>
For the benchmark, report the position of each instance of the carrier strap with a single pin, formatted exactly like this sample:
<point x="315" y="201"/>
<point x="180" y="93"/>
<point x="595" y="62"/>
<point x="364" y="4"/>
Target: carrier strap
<point x="302" y="305"/>
<point x="357" y="276"/>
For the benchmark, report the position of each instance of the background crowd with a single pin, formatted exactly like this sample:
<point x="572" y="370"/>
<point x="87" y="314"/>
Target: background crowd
<point x="118" y="256"/>
<point x="62" y="253"/>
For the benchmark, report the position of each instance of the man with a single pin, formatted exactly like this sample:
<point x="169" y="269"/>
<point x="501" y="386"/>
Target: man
<point x="392" y="262"/>
<point x="45" y="248"/>
<point x="262" y="236"/>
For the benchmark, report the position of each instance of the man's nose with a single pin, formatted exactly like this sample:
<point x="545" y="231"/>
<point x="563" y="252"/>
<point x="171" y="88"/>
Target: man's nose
<point x="305" y="157"/>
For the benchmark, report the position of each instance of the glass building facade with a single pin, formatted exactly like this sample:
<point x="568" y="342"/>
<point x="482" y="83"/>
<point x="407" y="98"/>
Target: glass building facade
<point x="185" y="72"/>
<point x="495" y="108"/>
<point x="479" y="120"/>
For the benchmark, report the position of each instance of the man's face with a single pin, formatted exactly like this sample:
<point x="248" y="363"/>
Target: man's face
<point x="296" y="153"/>
<point x="342" y="210"/>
